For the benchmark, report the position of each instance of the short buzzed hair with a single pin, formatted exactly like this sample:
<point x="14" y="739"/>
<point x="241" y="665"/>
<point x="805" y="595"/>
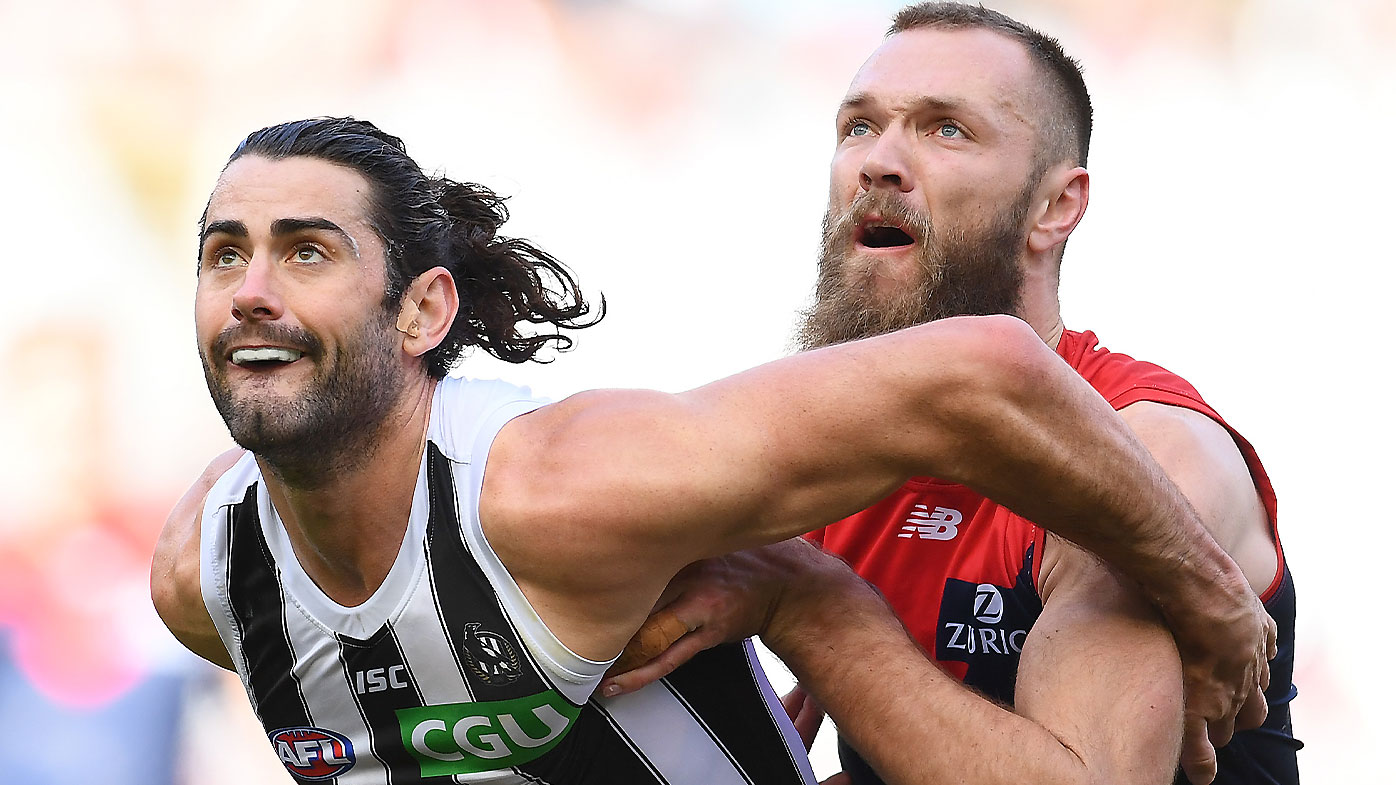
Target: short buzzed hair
<point x="1066" y="127"/>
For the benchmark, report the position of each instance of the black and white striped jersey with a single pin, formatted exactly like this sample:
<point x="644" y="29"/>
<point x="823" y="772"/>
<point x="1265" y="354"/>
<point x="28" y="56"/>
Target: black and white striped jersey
<point x="446" y="674"/>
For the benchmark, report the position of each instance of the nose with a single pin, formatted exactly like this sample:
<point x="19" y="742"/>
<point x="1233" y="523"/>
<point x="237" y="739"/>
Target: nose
<point x="886" y="165"/>
<point x="256" y="298"/>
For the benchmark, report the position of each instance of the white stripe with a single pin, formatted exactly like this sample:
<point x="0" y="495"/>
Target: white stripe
<point x="677" y="744"/>
<point x="330" y="703"/>
<point x="793" y="742"/>
<point x="427" y="649"/>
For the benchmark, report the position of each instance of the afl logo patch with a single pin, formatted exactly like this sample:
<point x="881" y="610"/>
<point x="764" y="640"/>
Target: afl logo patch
<point x="313" y="753"/>
<point x="490" y="657"/>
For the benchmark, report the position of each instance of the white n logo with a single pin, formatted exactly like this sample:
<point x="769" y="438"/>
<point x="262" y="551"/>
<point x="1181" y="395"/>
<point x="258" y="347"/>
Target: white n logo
<point x="939" y="524"/>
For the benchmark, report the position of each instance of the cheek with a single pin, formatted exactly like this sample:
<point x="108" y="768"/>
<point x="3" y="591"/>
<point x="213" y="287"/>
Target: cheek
<point x="844" y="179"/>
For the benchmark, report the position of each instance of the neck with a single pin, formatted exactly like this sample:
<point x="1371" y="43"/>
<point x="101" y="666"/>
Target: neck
<point x="1040" y="306"/>
<point x="346" y="515"/>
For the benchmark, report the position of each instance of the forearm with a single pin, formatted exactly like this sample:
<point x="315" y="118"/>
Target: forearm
<point x="1038" y="439"/>
<point x="912" y="722"/>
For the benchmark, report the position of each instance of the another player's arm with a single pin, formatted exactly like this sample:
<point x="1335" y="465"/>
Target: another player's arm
<point x="174" y="570"/>
<point x="1099" y="693"/>
<point x="647" y="482"/>
<point x="1202" y="459"/>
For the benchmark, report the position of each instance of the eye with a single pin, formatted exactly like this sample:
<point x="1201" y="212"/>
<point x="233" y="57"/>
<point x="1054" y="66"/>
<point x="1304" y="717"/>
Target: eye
<point x="857" y="128"/>
<point x="949" y="130"/>
<point x="308" y="254"/>
<point x="225" y="257"/>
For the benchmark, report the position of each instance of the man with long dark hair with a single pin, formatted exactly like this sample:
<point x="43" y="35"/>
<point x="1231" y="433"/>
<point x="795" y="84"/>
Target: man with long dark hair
<point x="420" y="577"/>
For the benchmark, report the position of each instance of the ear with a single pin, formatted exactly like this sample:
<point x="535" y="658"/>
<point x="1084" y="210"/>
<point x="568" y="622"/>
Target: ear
<point x="428" y="310"/>
<point x="1062" y="200"/>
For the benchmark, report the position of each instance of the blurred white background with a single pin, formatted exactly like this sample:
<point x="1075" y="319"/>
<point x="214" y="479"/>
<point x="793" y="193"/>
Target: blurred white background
<point x="673" y="153"/>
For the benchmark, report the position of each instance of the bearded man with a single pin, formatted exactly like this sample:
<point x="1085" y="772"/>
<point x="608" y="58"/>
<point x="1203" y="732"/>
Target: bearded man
<point x="958" y="176"/>
<point x="421" y="577"/>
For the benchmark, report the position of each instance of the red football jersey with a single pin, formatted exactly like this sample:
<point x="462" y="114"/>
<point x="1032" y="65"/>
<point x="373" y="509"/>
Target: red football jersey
<point x="960" y="570"/>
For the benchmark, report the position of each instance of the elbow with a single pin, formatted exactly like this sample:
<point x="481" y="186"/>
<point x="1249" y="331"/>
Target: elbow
<point x="998" y="355"/>
<point x="992" y="368"/>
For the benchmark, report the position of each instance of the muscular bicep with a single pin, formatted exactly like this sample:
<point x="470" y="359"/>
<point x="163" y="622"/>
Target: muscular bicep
<point x="1202" y="459"/>
<point x="1100" y="672"/>
<point x="174" y="570"/>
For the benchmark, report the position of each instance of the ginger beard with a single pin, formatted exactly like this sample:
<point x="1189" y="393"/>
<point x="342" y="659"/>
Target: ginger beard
<point x="332" y="421"/>
<point x="960" y="271"/>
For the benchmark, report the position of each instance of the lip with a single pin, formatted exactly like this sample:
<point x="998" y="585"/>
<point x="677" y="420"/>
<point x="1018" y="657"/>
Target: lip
<point x="267" y="367"/>
<point x="875" y="219"/>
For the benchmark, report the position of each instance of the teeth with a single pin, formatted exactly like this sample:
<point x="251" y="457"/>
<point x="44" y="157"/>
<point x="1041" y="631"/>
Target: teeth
<point x="265" y="354"/>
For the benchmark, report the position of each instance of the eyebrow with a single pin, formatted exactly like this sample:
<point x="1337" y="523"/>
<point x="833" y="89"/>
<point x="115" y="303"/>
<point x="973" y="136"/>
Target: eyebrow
<point x="279" y="228"/>
<point x="234" y="228"/>
<point x="920" y="105"/>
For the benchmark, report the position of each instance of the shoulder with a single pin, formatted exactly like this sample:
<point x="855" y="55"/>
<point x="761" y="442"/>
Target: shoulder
<point x="174" y="569"/>
<point x="1120" y="378"/>
<point x="464" y="410"/>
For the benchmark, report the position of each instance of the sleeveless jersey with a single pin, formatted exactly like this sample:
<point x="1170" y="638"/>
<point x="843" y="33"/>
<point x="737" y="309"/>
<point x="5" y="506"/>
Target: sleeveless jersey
<point x="962" y="571"/>
<point x="446" y="674"/>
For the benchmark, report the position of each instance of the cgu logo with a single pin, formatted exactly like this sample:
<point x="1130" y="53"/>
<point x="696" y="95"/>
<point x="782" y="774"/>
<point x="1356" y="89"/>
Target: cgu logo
<point x="465" y="738"/>
<point x="313" y="753"/>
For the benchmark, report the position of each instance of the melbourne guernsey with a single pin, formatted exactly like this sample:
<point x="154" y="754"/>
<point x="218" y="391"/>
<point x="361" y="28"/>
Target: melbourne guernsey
<point x="446" y="674"/>
<point x="962" y="572"/>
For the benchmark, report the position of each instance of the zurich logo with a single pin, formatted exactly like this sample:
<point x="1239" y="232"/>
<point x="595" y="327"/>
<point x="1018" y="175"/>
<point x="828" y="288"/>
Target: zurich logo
<point x="988" y="604"/>
<point x="313" y="753"/>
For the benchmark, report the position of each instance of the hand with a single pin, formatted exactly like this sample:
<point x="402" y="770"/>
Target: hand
<point x="807" y="715"/>
<point x="1226" y="668"/>
<point x="717" y="600"/>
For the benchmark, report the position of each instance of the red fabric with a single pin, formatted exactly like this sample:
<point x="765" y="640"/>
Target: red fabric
<point x="907" y="547"/>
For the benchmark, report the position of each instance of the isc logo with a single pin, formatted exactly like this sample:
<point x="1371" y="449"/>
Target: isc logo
<point x="380" y="679"/>
<point x="313" y="753"/>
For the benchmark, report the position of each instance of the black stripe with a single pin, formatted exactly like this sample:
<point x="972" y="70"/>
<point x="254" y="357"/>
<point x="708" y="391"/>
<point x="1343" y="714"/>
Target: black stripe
<point x="495" y="663"/>
<point x="595" y="752"/>
<point x="721" y="688"/>
<point x="698" y="720"/>
<point x="376" y="666"/>
<point x="254" y="592"/>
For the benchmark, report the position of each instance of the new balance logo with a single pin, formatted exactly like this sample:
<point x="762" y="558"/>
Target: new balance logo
<point x="939" y="524"/>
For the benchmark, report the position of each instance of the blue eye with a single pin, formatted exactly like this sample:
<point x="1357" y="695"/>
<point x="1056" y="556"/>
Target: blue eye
<point x="949" y="130"/>
<point x="859" y="128"/>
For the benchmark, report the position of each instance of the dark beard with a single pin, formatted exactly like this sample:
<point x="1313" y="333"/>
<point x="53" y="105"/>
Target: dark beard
<point x="331" y="425"/>
<point x="962" y="271"/>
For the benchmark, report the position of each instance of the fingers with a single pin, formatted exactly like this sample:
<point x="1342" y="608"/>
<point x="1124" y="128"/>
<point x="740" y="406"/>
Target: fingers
<point x="682" y="650"/>
<point x="1253" y="711"/>
<point x="1199" y="758"/>
<point x="805" y="713"/>
<point x="794" y="702"/>
<point x="660" y="632"/>
<point x="1220" y="730"/>
<point x="841" y="778"/>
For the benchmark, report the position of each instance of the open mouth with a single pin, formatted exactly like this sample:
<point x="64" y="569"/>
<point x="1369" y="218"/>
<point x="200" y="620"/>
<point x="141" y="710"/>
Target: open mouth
<point x="265" y="357"/>
<point x="883" y="236"/>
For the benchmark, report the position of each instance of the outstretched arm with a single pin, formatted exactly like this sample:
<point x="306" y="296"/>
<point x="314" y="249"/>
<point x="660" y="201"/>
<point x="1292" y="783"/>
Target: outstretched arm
<point x="650" y="482"/>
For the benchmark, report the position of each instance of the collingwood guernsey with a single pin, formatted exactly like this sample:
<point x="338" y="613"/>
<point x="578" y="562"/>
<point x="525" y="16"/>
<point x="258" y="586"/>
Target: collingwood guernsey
<point x="446" y="674"/>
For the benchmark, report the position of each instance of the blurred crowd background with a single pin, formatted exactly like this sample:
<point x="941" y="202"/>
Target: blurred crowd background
<point x="674" y="153"/>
